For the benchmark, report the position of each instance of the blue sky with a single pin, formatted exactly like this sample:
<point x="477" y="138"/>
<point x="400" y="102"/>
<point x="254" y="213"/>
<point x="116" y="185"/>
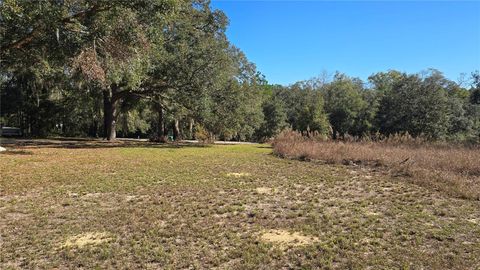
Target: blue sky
<point x="296" y="40"/>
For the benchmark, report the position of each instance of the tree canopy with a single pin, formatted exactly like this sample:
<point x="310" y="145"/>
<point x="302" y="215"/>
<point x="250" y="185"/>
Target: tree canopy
<point x="166" y="67"/>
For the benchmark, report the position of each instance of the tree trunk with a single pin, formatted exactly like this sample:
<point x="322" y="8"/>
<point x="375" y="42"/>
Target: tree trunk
<point x="35" y="119"/>
<point x="176" y="130"/>
<point x="93" y="130"/>
<point x="161" y="123"/>
<point x="334" y="133"/>
<point x="190" y="129"/>
<point x="109" y="116"/>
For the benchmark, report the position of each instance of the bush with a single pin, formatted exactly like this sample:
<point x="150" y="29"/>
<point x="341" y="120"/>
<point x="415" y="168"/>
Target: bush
<point x="159" y="139"/>
<point x="203" y="135"/>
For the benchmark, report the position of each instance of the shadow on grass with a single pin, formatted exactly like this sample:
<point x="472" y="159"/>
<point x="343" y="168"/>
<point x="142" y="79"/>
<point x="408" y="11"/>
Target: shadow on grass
<point x="16" y="152"/>
<point x="83" y="143"/>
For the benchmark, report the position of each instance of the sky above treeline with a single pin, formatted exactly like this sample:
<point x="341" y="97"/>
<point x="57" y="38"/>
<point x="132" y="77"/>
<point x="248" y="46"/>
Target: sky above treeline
<point x="297" y="40"/>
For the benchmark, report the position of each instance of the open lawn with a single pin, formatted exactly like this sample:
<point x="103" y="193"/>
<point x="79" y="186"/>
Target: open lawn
<point x="138" y="205"/>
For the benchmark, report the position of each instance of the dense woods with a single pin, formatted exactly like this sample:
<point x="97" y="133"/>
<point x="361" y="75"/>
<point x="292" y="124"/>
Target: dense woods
<point x="158" y="68"/>
<point x="425" y="104"/>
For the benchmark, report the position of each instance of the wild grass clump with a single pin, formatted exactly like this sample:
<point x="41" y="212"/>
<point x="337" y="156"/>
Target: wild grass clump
<point x="452" y="169"/>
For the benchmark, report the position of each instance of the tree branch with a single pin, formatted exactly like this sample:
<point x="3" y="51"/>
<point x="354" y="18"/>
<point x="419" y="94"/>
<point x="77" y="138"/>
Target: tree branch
<point x="37" y="30"/>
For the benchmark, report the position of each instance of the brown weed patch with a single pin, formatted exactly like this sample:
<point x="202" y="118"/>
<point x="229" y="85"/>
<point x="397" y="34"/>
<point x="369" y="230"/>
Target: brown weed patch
<point x="454" y="170"/>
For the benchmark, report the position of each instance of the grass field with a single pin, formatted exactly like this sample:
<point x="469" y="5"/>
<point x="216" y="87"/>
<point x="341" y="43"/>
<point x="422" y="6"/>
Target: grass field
<point x="97" y="205"/>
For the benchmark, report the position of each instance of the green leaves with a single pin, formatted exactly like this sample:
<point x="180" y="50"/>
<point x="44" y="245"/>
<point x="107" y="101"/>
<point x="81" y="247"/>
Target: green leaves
<point x="345" y="105"/>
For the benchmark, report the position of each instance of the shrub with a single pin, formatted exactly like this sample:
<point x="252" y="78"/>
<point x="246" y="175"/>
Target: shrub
<point x="158" y="139"/>
<point x="203" y="135"/>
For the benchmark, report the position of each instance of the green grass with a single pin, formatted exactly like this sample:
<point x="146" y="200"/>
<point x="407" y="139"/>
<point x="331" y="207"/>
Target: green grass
<point x="175" y="207"/>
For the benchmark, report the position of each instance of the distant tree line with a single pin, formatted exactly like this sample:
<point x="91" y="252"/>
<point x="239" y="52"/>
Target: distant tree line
<point x="161" y="68"/>
<point x="425" y="104"/>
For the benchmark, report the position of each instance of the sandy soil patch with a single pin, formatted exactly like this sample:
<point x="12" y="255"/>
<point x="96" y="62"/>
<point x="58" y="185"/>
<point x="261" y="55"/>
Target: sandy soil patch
<point x="94" y="195"/>
<point x="474" y="221"/>
<point x="87" y="239"/>
<point x="264" y="190"/>
<point x="372" y="213"/>
<point x="284" y="239"/>
<point x="238" y="175"/>
<point x="16" y="216"/>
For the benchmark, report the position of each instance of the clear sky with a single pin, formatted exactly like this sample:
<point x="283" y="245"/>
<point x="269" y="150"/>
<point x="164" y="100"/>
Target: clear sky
<point x="296" y="40"/>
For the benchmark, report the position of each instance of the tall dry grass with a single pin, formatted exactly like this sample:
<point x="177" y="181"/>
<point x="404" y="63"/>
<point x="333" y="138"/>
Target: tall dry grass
<point x="452" y="169"/>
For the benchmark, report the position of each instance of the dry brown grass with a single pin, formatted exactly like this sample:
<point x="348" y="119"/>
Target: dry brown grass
<point x="452" y="169"/>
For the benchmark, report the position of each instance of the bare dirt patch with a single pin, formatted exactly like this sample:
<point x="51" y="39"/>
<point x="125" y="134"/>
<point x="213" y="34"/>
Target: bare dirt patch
<point x="284" y="239"/>
<point x="475" y="221"/>
<point x="16" y="216"/>
<point x="87" y="239"/>
<point x="238" y="175"/>
<point x="264" y="190"/>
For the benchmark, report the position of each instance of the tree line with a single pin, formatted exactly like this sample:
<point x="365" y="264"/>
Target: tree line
<point x="424" y="104"/>
<point x="155" y="68"/>
<point x="98" y="67"/>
